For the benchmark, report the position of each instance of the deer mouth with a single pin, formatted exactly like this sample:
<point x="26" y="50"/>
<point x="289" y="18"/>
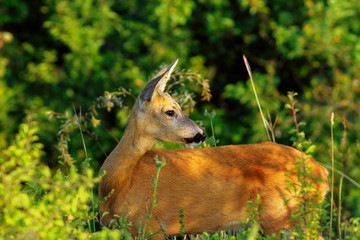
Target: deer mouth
<point x="197" y="139"/>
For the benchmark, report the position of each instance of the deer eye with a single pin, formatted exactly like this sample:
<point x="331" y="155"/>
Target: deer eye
<point x="170" y="113"/>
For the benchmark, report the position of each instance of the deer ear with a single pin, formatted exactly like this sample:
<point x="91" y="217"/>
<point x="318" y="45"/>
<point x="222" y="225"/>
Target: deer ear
<point x="157" y="83"/>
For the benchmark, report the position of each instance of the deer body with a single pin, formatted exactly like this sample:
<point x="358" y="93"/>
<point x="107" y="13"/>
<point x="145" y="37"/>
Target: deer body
<point x="211" y="185"/>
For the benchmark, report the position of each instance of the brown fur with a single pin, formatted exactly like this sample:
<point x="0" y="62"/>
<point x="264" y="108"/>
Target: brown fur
<point x="212" y="185"/>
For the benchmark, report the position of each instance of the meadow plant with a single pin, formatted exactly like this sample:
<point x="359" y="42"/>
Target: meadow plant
<point x="37" y="202"/>
<point x="308" y="214"/>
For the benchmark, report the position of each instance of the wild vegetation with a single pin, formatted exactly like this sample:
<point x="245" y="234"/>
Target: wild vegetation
<point x="70" y="71"/>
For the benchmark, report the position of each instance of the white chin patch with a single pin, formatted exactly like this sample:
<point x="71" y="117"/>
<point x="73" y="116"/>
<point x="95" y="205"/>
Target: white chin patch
<point x="194" y="143"/>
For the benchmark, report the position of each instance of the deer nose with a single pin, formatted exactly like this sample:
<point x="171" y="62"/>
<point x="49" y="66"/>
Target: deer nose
<point x="199" y="138"/>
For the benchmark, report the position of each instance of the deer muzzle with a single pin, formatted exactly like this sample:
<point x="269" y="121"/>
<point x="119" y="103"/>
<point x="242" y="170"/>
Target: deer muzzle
<point x="197" y="139"/>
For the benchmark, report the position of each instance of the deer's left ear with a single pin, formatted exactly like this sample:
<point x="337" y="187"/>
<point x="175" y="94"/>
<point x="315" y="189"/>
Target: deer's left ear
<point x="157" y="83"/>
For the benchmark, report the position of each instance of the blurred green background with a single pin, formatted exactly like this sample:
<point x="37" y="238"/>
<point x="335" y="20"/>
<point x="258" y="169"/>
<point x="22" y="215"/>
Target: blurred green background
<point x="58" y="57"/>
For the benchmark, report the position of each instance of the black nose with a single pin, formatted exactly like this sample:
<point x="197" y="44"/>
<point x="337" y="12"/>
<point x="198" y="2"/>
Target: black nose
<point x="199" y="137"/>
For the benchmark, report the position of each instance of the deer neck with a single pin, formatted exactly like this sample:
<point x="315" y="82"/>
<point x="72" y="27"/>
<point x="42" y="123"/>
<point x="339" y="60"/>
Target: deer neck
<point x="120" y="164"/>
<point x="132" y="145"/>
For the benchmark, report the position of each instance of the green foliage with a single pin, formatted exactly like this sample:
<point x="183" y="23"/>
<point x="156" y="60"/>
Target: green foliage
<point x="305" y="192"/>
<point x="36" y="203"/>
<point x="212" y="141"/>
<point x="182" y="222"/>
<point x="251" y="225"/>
<point x="72" y="63"/>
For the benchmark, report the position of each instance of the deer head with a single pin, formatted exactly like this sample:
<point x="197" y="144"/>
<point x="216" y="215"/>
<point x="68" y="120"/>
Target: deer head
<point x="161" y="116"/>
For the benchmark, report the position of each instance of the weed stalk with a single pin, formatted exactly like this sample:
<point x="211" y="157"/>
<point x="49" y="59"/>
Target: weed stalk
<point x="266" y="125"/>
<point x="159" y="165"/>
<point x="332" y="173"/>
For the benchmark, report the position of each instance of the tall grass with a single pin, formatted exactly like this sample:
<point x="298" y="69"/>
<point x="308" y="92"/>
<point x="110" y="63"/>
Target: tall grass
<point x="265" y="122"/>
<point x="332" y="174"/>
<point x="91" y="220"/>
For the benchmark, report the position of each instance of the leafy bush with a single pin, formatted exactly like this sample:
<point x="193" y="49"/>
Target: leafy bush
<point x="37" y="203"/>
<point x="58" y="57"/>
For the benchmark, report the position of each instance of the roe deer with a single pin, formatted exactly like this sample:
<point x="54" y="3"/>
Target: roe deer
<point x="212" y="185"/>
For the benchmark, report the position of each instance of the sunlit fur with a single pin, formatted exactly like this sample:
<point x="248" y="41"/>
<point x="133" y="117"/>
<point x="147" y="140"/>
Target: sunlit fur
<point x="212" y="185"/>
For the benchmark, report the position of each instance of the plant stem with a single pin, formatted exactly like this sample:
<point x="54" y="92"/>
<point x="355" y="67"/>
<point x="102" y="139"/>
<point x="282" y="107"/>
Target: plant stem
<point x="212" y="130"/>
<point x="339" y="214"/>
<point x="159" y="165"/>
<point x="332" y="173"/>
<point x="77" y="120"/>
<point x="256" y="97"/>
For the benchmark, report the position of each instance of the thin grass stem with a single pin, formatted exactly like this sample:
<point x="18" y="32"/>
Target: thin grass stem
<point x="332" y="173"/>
<point x="77" y="120"/>
<point x="213" y="132"/>
<point x="340" y="208"/>
<point x="356" y="184"/>
<point x="256" y="97"/>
